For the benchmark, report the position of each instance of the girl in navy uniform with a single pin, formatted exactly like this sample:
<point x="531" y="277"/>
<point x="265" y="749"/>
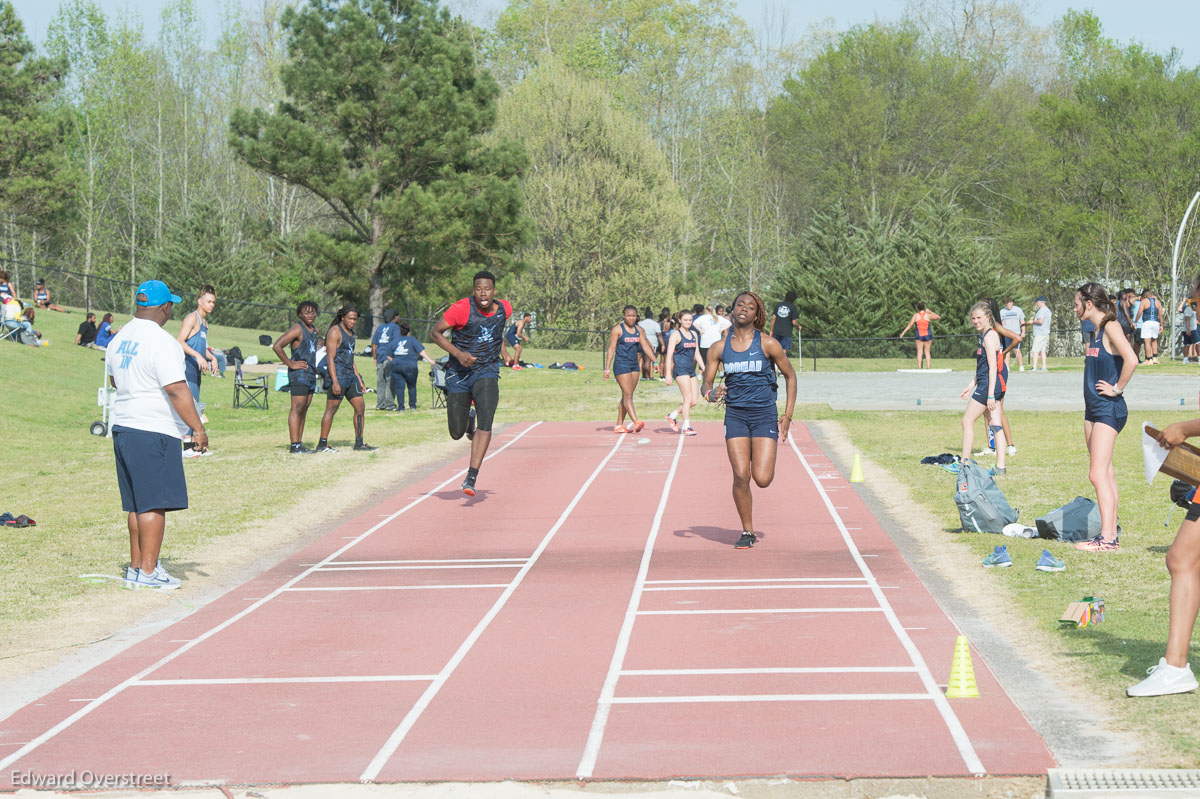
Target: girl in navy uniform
<point x="624" y="343"/>
<point x="681" y="365"/>
<point x="193" y="338"/>
<point x="41" y="298"/>
<point x="986" y="390"/>
<point x="5" y="286"/>
<point x="302" y="375"/>
<point x="752" y="430"/>
<point x="344" y="380"/>
<point x="1107" y="368"/>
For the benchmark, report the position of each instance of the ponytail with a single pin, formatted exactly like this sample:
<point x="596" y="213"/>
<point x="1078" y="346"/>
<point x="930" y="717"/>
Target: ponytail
<point x="1098" y="297"/>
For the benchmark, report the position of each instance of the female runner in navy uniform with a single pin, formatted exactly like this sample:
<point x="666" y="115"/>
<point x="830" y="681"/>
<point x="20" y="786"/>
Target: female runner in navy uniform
<point x="621" y="360"/>
<point x="986" y="390"/>
<point x="344" y="379"/>
<point x="302" y="376"/>
<point x="681" y="365"/>
<point x="1107" y="369"/>
<point x="752" y="431"/>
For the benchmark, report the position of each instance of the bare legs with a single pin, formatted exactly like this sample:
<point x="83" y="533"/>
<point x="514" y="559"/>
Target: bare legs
<point x="974" y="411"/>
<point x="145" y="538"/>
<point x="1100" y="440"/>
<point x="923" y="350"/>
<point x="297" y="416"/>
<point x="689" y="391"/>
<point x="751" y="459"/>
<point x="628" y="382"/>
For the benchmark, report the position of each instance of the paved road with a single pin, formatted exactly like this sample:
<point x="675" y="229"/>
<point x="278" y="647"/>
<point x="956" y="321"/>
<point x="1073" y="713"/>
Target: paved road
<point x="939" y="391"/>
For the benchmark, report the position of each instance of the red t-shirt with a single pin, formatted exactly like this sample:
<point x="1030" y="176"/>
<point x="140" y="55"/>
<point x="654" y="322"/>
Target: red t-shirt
<point x="458" y="314"/>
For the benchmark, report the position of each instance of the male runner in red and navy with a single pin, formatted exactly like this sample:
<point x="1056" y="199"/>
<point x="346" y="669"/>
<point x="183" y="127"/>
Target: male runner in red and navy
<point x="344" y="380"/>
<point x="1151" y="320"/>
<point x="383" y="344"/>
<point x="404" y="366"/>
<point x="785" y="319"/>
<point x="302" y="375"/>
<point x="626" y="343"/>
<point x="193" y="337"/>
<point x="752" y="431"/>
<point x="1012" y="318"/>
<point x="682" y="345"/>
<point x="473" y="372"/>
<point x="514" y="335"/>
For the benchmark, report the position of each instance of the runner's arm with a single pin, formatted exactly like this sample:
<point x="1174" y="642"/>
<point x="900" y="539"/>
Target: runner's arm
<point x="672" y="343"/>
<point x="333" y="340"/>
<point x="292" y="335"/>
<point x="611" y="354"/>
<point x="710" y="374"/>
<point x="775" y="352"/>
<point x="438" y="334"/>
<point x="911" y="322"/>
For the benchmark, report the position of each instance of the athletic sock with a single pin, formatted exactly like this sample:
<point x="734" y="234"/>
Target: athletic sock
<point x="672" y="415"/>
<point x="324" y="442"/>
<point x="472" y="472"/>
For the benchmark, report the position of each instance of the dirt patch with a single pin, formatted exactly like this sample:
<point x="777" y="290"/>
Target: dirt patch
<point x="1079" y="727"/>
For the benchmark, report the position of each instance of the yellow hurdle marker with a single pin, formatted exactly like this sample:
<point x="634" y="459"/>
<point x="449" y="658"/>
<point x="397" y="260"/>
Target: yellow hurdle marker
<point x="962" y="673"/>
<point x="856" y="475"/>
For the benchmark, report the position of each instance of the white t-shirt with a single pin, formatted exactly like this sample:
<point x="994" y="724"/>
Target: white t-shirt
<point x="652" y="329"/>
<point x="1012" y="318"/>
<point x="141" y="359"/>
<point x="711" y="328"/>
<point x="1043" y="315"/>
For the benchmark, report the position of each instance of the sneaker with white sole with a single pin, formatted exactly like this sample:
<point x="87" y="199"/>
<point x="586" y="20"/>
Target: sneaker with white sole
<point x="157" y="579"/>
<point x="192" y="452"/>
<point x="1049" y="563"/>
<point x="999" y="557"/>
<point x="1010" y="450"/>
<point x="985" y="451"/>
<point x="1165" y="679"/>
<point x="130" y="576"/>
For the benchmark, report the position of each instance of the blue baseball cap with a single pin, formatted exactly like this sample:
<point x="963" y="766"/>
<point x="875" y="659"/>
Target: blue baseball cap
<point x="156" y="293"/>
<point x="1041" y="299"/>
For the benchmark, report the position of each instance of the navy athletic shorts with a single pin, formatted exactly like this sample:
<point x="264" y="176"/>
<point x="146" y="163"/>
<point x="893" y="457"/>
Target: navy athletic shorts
<point x="752" y="422"/>
<point x="350" y="389"/>
<point x="149" y="470"/>
<point x="980" y="394"/>
<point x="926" y="337"/>
<point x="1115" y="422"/>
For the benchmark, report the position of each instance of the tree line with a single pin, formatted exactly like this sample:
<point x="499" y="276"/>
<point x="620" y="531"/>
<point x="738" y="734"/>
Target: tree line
<point x="598" y="152"/>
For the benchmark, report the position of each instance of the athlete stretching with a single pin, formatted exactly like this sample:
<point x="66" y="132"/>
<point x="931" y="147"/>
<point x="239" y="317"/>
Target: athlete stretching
<point x="473" y="373"/>
<point x="752" y="431"/>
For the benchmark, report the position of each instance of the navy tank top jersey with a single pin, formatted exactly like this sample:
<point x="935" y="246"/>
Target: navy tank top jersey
<point x="41" y="295"/>
<point x="343" y="359"/>
<point x="6" y="290"/>
<point x="199" y="342"/>
<point x="1151" y="313"/>
<point x="749" y="376"/>
<point x="1100" y="364"/>
<point x="480" y="337"/>
<point x="306" y="348"/>
<point x="981" y="368"/>
<point x="683" y="358"/>
<point x="626" y="356"/>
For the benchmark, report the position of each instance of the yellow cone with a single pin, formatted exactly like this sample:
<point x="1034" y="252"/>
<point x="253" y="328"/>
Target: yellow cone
<point x="962" y="673"/>
<point x="856" y="475"/>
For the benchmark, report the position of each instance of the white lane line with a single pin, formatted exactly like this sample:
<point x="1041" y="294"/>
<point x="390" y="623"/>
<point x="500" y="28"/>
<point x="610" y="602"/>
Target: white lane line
<point x="965" y="749"/>
<point x="727" y="611"/>
<point x="397" y="587"/>
<point x="666" y="700"/>
<point x="69" y="721"/>
<point x="756" y="580"/>
<point x="397" y="737"/>
<point x="327" y="569"/>
<point x="779" y="670"/>
<point x="288" y="680"/>
<point x="440" y="560"/>
<point x="788" y="587"/>
<point x="591" y="750"/>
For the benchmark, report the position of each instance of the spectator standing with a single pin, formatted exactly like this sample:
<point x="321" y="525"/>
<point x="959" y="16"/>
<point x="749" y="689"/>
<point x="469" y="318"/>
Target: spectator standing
<point x="1188" y="309"/>
<point x="784" y="321"/>
<point x="712" y="326"/>
<point x="86" y="335"/>
<point x="1041" y="334"/>
<point x="1149" y="314"/>
<point x="152" y="408"/>
<point x="1125" y="316"/>
<point x="193" y="338"/>
<point x="105" y="333"/>
<point x="654" y="333"/>
<point x="383" y="344"/>
<point x="408" y="352"/>
<point x="1012" y="317"/>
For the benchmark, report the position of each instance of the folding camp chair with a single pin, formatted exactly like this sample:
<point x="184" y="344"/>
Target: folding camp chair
<point x="250" y="393"/>
<point x="437" y="377"/>
<point x="10" y="331"/>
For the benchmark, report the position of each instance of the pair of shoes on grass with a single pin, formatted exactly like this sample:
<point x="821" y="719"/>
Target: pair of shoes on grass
<point x="8" y="520"/>
<point x="1000" y="559"/>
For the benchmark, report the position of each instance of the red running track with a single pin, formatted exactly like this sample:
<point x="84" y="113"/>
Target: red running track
<point x="585" y="616"/>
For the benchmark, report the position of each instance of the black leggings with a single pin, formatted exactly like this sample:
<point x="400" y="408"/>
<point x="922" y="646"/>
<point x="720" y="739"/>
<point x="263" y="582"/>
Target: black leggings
<point x="486" y="394"/>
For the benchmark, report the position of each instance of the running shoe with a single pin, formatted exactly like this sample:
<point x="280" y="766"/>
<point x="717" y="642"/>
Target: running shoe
<point x="1011" y="449"/>
<point x="620" y="428"/>
<point x="999" y="557"/>
<point x="985" y="451"/>
<point x="1049" y="563"/>
<point x="517" y="367"/>
<point x="363" y="447"/>
<point x="690" y="431"/>
<point x="637" y="428"/>
<point x="674" y="424"/>
<point x="471" y="424"/>
<point x="468" y="485"/>
<point x="1165" y="679"/>
<point x="325" y="450"/>
<point x="192" y="452"/>
<point x="299" y="449"/>
<point x="996" y="471"/>
<point x="746" y="541"/>
<point x="951" y="467"/>
<point x="1098" y="544"/>
<point x="130" y="576"/>
<point x="156" y="579"/>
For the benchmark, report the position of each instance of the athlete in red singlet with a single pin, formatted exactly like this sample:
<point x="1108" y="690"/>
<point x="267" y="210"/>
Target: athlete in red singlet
<point x="921" y="319"/>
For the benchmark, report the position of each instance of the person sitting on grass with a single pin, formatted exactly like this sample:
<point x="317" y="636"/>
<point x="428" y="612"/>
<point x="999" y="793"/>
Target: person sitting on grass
<point x="85" y="336"/>
<point x="106" y="331"/>
<point x="41" y="298"/>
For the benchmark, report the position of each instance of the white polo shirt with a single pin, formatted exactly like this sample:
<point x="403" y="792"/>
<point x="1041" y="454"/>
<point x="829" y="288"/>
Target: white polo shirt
<point x="141" y="359"/>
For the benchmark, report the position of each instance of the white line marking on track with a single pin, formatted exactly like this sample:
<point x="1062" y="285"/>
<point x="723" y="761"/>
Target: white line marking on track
<point x="327" y="569"/>
<point x="759" y="587"/>
<point x="965" y="749"/>
<point x="656" y="700"/>
<point x="756" y="580"/>
<point x="397" y="737"/>
<point x="69" y="721"/>
<point x="397" y="587"/>
<point x="443" y="560"/>
<point x="769" y="670"/>
<point x="591" y="750"/>
<point x="726" y="611"/>
<point x="287" y="680"/>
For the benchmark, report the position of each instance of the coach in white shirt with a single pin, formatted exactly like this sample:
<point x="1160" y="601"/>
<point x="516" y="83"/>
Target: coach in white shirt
<point x="152" y="411"/>
<point x="712" y="327"/>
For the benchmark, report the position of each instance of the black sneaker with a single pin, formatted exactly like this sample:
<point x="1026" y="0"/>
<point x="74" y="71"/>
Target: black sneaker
<point x="325" y="449"/>
<point x="468" y="486"/>
<point x="746" y="541"/>
<point x="300" y="449"/>
<point x="361" y="447"/>
<point x="471" y="424"/>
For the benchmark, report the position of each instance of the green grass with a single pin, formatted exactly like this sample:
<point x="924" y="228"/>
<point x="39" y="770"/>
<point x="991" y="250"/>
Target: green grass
<point x="62" y="476"/>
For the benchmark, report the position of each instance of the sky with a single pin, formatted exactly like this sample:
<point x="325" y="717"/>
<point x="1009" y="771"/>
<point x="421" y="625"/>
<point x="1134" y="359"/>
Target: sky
<point x="1158" y="24"/>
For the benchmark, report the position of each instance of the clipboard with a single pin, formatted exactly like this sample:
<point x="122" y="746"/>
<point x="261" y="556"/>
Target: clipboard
<point x="1182" y="463"/>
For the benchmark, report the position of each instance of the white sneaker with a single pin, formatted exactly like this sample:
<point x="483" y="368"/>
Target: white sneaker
<point x="1165" y="679"/>
<point x="192" y="452"/>
<point x="1043" y="369"/>
<point x="157" y="579"/>
<point x="1022" y="369"/>
<point x="1010" y="450"/>
<point x="985" y="451"/>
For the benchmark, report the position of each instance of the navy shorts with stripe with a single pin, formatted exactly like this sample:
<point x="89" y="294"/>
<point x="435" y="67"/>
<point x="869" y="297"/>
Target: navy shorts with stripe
<point x="752" y="422"/>
<point x="149" y="470"/>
